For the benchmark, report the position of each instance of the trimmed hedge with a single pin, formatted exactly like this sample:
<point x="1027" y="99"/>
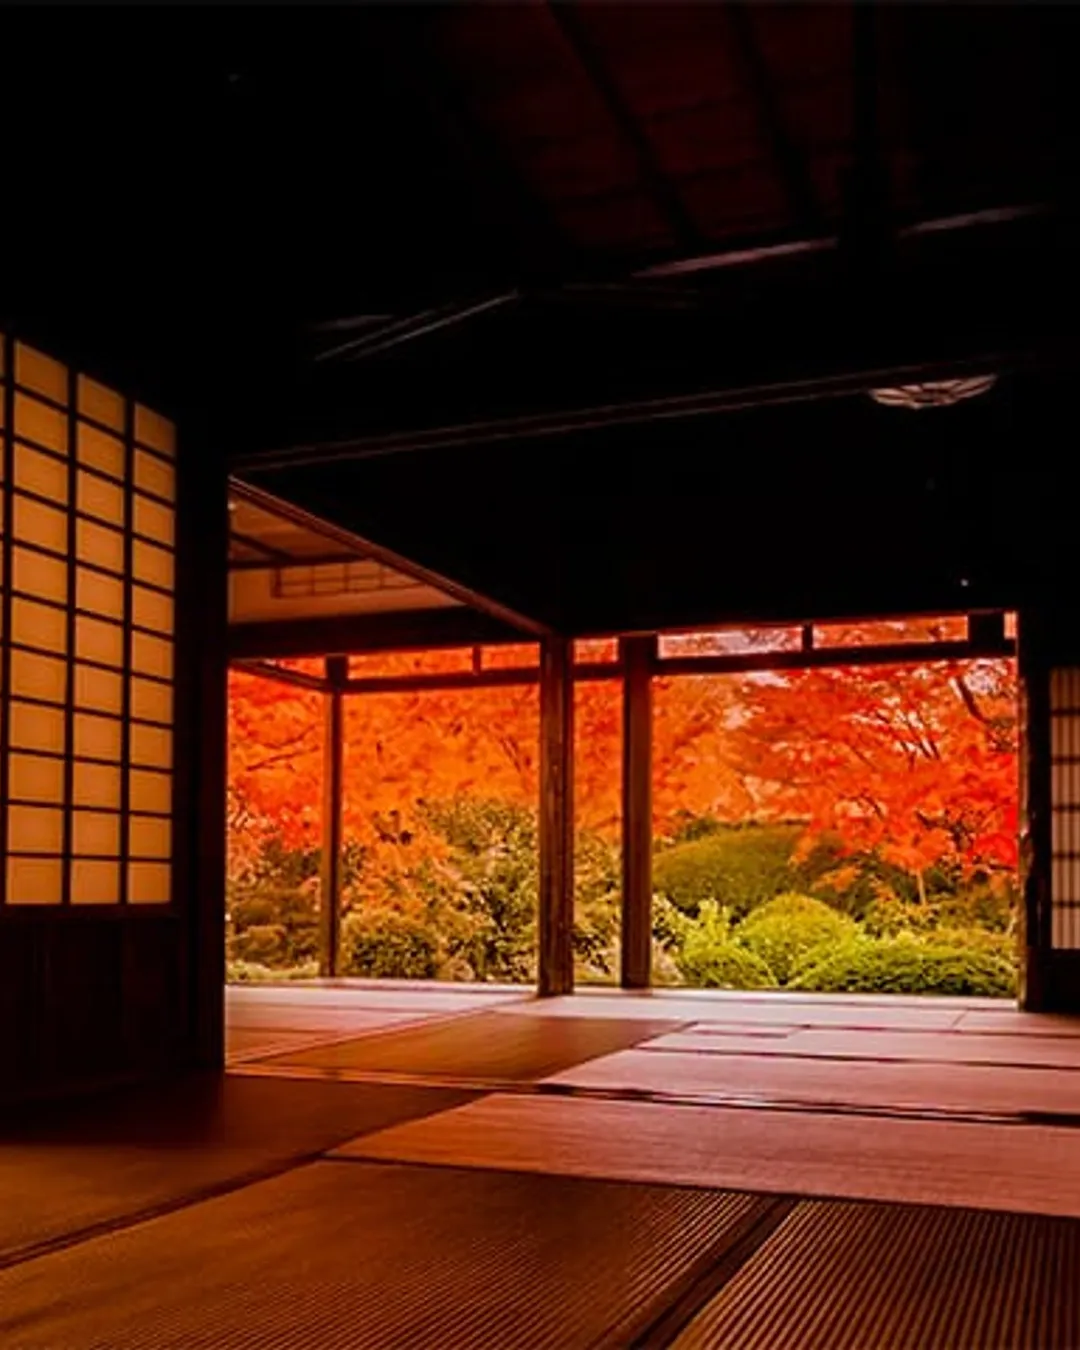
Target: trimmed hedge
<point x="709" y="959"/>
<point x="737" y="867"/>
<point x="390" y="944"/>
<point x="906" y="966"/>
<point x="791" y="932"/>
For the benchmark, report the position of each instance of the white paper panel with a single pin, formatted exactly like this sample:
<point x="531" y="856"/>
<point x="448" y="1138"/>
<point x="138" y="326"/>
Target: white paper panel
<point x="96" y="785"/>
<point x="35" y="676"/>
<point x="41" y="473"/>
<point x="34" y="727"/>
<point x="99" y="640"/>
<point x="149" y="883"/>
<point x="150" y="836"/>
<point x="35" y="829"/>
<point x="35" y="574"/>
<point x="94" y="833"/>
<point x="37" y="625"/>
<point x="151" y="791"/>
<point x="150" y="701"/>
<point x="33" y="881"/>
<point x="94" y="882"/>
<point x="97" y="737"/>
<point x="99" y="450"/>
<point x="99" y="593"/>
<point x="97" y="690"/>
<point x="34" y="778"/>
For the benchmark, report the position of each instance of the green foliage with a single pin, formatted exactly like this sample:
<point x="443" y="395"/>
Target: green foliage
<point x="906" y="965"/>
<point x="737" y="866"/>
<point x="390" y="944"/>
<point x="788" y="932"/>
<point x="273" y="925"/>
<point x="992" y="909"/>
<point x="487" y="905"/>
<point x="709" y="959"/>
<point x="597" y="903"/>
<point x="669" y="924"/>
<point x="250" y="972"/>
<point x="735" y="907"/>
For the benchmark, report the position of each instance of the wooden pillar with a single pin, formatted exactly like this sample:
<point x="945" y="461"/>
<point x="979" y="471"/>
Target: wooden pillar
<point x="638" y="655"/>
<point x="556" y="920"/>
<point x="1049" y="794"/>
<point x="202" y="733"/>
<point x="337" y="672"/>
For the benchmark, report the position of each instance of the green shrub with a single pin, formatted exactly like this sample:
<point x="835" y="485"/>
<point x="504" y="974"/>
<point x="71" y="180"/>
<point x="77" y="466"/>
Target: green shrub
<point x="709" y="959"/>
<point x="483" y="901"/>
<point x="991" y="909"/>
<point x="273" y="925"/>
<point x="790" y="931"/>
<point x="390" y="944"/>
<point x="906" y="965"/>
<point x="737" y="866"/>
<point x="263" y="944"/>
<point x="1004" y="945"/>
<point x="250" y="972"/>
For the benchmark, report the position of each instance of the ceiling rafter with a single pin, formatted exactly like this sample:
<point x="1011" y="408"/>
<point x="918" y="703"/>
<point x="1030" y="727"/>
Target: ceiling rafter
<point x="790" y="162"/>
<point x="408" y="329"/>
<point x="429" y="77"/>
<point x="660" y="187"/>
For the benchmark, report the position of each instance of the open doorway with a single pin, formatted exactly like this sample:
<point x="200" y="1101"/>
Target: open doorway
<point x="837" y="828"/>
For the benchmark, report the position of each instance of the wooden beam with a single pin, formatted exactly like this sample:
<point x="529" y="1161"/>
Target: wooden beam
<point x="451" y="626"/>
<point x="638" y="655"/>
<point x="638" y="412"/>
<point x="408" y="329"/>
<point x="337" y="668"/>
<point x="266" y="670"/>
<point x="468" y="679"/>
<point x="902" y="653"/>
<point x="556" y="918"/>
<point x="349" y="539"/>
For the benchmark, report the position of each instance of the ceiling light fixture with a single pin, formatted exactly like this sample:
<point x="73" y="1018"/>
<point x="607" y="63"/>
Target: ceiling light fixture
<point x="934" y="393"/>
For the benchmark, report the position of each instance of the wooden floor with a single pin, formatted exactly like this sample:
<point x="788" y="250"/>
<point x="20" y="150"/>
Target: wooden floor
<point x="410" y="1166"/>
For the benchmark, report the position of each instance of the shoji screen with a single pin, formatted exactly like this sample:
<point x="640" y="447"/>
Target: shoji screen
<point x="1065" y="807"/>
<point x="86" y="640"/>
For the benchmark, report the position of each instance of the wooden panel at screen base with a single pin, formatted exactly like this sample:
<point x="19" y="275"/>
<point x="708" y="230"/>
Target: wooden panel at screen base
<point x="85" y="1000"/>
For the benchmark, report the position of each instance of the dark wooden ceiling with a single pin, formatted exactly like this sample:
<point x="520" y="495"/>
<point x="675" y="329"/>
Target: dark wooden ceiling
<point x="205" y="203"/>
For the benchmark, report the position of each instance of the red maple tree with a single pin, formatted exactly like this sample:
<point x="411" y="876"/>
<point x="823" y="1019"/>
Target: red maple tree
<point x="916" y="761"/>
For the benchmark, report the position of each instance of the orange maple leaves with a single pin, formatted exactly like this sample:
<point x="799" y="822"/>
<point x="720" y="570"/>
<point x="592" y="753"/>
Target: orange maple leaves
<point x="919" y="762"/>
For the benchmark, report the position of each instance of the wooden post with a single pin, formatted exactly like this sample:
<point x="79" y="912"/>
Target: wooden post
<point x="337" y="672"/>
<point x="638" y="655"/>
<point x="556" y="957"/>
<point x="1035" y="812"/>
<point x="202" y="734"/>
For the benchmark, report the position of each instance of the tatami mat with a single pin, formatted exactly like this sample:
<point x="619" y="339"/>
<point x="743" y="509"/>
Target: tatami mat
<point x="868" y="1277"/>
<point x="1027" y="1168"/>
<point x="748" y="1011"/>
<point x="339" y="1256"/>
<point x="85" y="1164"/>
<point x="842" y="1043"/>
<point x="487" y="1047"/>
<point x="898" y="1084"/>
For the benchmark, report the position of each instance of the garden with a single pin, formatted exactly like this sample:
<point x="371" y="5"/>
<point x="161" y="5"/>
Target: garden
<point x="833" y="830"/>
